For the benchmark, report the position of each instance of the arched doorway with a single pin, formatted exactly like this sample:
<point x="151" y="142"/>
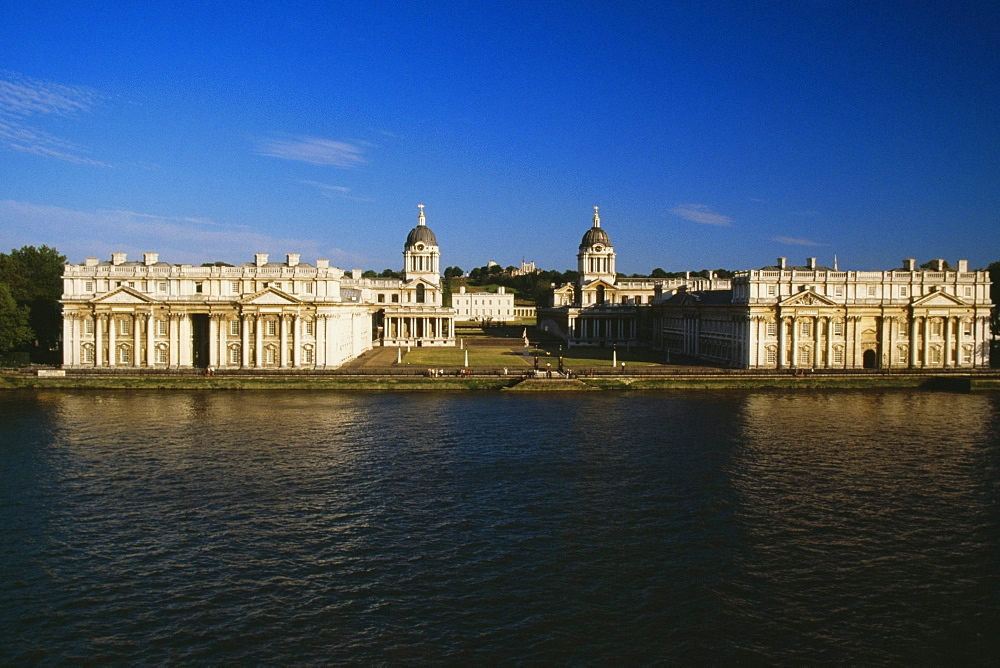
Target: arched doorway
<point x="600" y="294"/>
<point x="420" y="293"/>
<point x="870" y="359"/>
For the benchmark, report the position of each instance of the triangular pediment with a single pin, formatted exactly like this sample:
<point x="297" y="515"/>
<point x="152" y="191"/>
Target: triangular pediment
<point x="593" y="285"/>
<point x="413" y="282"/>
<point x="808" y="298"/>
<point x="270" y="296"/>
<point x="123" y="295"/>
<point x="938" y="299"/>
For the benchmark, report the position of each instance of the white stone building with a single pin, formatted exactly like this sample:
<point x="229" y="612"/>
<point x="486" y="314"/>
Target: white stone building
<point x="259" y="315"/>
<point x="601" y="307"/>
<point x="815" y="317"/>
<point x="483" y="306"/>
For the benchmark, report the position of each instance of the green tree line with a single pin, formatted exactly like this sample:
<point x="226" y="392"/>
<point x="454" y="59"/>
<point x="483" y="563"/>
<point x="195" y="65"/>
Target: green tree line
<point x="30" y="289"/>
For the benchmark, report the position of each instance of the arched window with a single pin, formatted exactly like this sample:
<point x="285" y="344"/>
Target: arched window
<point x="600" y="294"/>
<point x="420" y="293"/>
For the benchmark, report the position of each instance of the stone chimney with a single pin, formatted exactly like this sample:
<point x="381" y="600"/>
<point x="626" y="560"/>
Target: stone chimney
<point x="937" y="264"/>
<point x="781" y="262"/>
<point x="322" y="264"/>
<point x="150" y="258"/>
<point x="461" y="289"/>
<point x="910" y="264"/>
<point x="292" y="259"/>
<point x="260" y="259"/>
<point x="811" y="263"/>
<point x="501" y="290"/>
<point x="118" y="258"/>
<point x="91" y="262"/>
<point x="356" y="274"/>
<point x="963" y="266"/>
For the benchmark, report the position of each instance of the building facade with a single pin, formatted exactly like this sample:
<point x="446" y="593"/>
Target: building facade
<point x="483" y="306"/>
<point x="812" y="317"/>
<point x="260" y="315"/>
<point x="601" y="308"/>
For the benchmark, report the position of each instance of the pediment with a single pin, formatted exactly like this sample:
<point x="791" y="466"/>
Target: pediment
<point x="938" y="299"/>
<point x="808" y="298"/>
<point x="593" y="285"/>
<point x="270" y="296"/>
<point x="123" y="295"/>
<point x="413" y="282"/>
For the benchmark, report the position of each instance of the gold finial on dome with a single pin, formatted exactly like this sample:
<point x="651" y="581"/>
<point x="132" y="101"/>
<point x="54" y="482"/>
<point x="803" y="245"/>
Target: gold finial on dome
<point x="420" y="219"/>
<point x="597" y="218"/>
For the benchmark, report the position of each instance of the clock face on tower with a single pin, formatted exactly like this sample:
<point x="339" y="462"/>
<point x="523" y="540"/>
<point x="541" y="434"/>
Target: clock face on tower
<point x="420" y="247"/>
<point x="598" y="248"/>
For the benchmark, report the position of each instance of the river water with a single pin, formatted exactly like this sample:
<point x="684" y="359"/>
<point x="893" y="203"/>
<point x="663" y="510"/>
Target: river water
<point x="323" y="527"/>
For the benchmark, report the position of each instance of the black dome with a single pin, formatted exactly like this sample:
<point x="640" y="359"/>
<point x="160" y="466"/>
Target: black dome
<point x="595" y="235"/>
<point x="421" y="233"/>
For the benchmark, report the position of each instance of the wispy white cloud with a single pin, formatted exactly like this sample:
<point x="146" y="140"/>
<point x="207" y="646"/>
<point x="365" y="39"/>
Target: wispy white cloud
<point x="178" y="239"/>
<point x="313" y="150"/>
<point x="795" y="241"/>
<point x="330" y="190"/>
<point x="702" y="214"/>
<point x="23" y="99"/>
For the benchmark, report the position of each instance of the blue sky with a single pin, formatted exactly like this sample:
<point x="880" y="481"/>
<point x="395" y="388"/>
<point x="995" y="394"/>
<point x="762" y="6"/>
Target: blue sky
<point x="711" y="134"/>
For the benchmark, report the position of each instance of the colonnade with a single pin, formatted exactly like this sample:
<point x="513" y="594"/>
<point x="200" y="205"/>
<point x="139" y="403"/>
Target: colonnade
<point x="594" y="329"/>
<point x="411" y="328"/>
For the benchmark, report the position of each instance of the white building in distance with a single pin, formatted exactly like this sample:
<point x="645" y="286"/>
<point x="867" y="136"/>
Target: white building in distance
<point x="259" y="315"/>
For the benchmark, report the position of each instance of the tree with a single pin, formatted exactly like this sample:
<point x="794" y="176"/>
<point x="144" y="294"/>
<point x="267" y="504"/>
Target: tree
<point x="453" y="272"/>
<point x="658" y="273"/>
<point x="14" y="329"/>
<point x="369" y="273"/>
<point x="34" y="277"/>
<point x="930" y="265"/>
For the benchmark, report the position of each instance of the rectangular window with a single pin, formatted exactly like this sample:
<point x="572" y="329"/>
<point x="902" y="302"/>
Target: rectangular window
<point x="902" y="356"/>
<point x="307" y="355"/>
<point x="124" y="355"/>
<point x="131" y="284"/>
<point x="161" y="355"/>
<point x="871" y="290"/>
<point x="88" y="326"/>
<point x="380" y="298"/>
<point x="271" y="327"/>
<point x="904" y="327"/>
<point x="234" y="287"/>
<point x="124" y="327"/>
<point x="161" y="286"/>
<point x="772" y="356"/>
<point x="309" y="327"/>
<point x="968" y="292"/>
<point x="199" y="287"/>
<point x="805" y="328"/>
<point x="838" y="355"/>
<point x="395" y="299"/>
<point x="772" y="329"/>
<point x="234" y="355"/>
<point x="234" y="327"/>
<point x="269" y="354"/>
<point x="838" y="290"/>
<point x="161" y="327"/>
<point x="88" y="286"/>
<point x="278" y="285"/>
<point x="904" y="291"/>
<point x="838" y="329"/>
<point x="966" y="328"/>
<point x="770" y="290"/>
<point x="936" y="327"/>
<point x="309" y="288"/>
<point x="88" y="354"/>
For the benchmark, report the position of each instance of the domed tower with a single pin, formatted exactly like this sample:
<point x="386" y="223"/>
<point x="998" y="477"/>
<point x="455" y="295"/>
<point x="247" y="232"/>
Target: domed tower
<point x="421" y="255"/>
<point x="596" y="258"/>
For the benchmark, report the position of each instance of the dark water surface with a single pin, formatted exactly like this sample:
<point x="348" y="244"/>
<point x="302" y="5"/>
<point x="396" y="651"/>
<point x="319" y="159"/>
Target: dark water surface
<point x="303" y="527"/>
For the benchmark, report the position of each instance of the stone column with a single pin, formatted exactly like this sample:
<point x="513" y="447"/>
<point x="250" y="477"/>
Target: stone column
<point x="828" y="330"/>
<point x="223" y="341"/>
<point x="258" y="341"/>
<point x="136" y="340"/>
<point x="296" y="341"/>
<point x="150" y="340"/>
<point x="283" y="341"/>
<point x="914" y="341"/>
<point x="98" y="340"/>
<point x="112" y="361"/>
<point x="245" y="340"/>
<point x="958" y="341"/>
<point x="782" y="341"/>
<point x="946" y="359"/>
<point x="213" y="340"/>
<point x="927" y="342"/>
<point x="795" y="341"/>
<point x="69" y="340"/>
<point x="186" y="341"/>
<point x="174" y="325"/>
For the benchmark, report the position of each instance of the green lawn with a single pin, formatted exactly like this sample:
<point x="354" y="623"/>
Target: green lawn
<point x="491" y="358"/>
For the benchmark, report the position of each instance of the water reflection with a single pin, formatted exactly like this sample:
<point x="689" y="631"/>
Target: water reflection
<point x="326" y="527"/>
